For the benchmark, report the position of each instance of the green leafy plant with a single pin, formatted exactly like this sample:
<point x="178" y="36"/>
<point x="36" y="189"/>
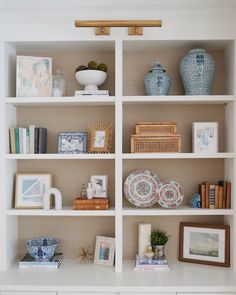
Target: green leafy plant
<point x="159" y="237"/>
<point x="92" y="65"/>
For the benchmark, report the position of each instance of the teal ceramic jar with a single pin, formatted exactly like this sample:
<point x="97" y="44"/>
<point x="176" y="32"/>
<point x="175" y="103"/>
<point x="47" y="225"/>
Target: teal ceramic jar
<point x="197" y="69"/>
<point x="157" y="81"/>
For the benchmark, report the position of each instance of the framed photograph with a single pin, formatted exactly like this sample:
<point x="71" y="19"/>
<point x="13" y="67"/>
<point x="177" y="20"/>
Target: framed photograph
<point x="72" y="142"/>
<point x="33" y="76"/>
<point x="205" y="137"/>
<point x="104" y="251"/>
<point x="99" y="186"/>
<point x="205" y="244"/>
<point x="30" y="189"/>
<point x="100" y="137"/>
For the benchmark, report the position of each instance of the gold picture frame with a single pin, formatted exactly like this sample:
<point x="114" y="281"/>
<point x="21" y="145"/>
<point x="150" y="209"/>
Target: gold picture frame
<point x="36" y="181"/>
<point x="100" y="137"/>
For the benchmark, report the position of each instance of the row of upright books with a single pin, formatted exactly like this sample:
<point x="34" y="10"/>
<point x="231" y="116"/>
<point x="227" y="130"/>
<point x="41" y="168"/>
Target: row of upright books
<point x="32" y="140"/>
<point x="143" y="263"/>
<point x="215" y="196"/>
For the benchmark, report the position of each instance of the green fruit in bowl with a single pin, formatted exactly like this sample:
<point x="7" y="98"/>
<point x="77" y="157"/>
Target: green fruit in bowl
<point x="80" y="68"/>
<point x="102" y="67"/>
<point x="92" y="65"/>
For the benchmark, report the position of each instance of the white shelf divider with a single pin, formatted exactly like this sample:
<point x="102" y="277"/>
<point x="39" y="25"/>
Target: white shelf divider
<point x="129" y="156"/>
<point x="60" y="156"/>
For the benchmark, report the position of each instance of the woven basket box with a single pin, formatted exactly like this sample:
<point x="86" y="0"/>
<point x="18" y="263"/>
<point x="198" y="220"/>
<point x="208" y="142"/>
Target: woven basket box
<point x="93" y="204"/>
<point x="155" y="144"/>
<point x="155" y="128"/>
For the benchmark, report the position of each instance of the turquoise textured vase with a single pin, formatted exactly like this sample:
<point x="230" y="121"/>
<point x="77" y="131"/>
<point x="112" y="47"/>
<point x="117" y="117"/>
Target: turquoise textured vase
<point x="197" y="70"/>
<point x="157" y="82"/>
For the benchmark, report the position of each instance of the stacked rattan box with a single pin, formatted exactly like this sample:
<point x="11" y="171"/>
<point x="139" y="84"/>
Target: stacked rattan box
<point x="155" y="137"/>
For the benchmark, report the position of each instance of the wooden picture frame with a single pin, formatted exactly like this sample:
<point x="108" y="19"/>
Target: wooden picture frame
<point x="204" y="244"/>
<point x="33" y="182"/>
<point x="104" y="251"/>
<point x="100" y="137"/>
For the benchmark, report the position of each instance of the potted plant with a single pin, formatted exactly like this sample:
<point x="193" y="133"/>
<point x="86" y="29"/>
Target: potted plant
<point x="158" y="240"/>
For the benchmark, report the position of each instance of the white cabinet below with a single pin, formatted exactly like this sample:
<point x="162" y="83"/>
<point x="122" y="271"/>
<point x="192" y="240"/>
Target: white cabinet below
<point x="141" y="293"/>
<point x="213" y="293"/>
<point x="27" y="293"/>
<point x="86" y="293"/>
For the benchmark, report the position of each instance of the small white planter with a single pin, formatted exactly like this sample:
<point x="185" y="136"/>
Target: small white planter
<point x="91" y="79"/>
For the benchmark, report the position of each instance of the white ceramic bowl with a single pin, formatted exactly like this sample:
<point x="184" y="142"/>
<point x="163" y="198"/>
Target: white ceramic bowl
<point x="91" y="79"/>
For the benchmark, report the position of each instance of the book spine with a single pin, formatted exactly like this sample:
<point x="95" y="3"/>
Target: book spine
<point x="42" y="141"/>
<point x="36" y="140"/>
<point x="12" y="140"/>
<point x="220" y="199"/>
<point x="31" y="133"/>
<point x="24" y="141"/>
<point x="207" y="186"/>
<point x="27" y="141"/>
<point x="17" y="140"/>
<point x="212" y="196"/>
<point x="216" y="197"/>
<point x="203" y="195"/>
<point x="228" y="195"/>
<point x="91" y="92"/>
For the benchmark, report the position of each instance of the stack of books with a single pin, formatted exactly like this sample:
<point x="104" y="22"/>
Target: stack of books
<point x="28" y="141"/>
<point x="142" y="263"/>
<point x="92" y="92"/>
<point x="215" y="196"/>
<point x="54" y="263"/>
<point x="91" y="204"/>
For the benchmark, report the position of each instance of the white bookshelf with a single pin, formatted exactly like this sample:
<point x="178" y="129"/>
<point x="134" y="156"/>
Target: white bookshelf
<point x="124" y="107"/>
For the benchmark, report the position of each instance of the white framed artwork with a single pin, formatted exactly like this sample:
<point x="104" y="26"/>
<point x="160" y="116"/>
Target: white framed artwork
<point x="205" y="137"/>
<point x="99" y="186"/>
<point x="33" y="76"/>
<point x="104" y="251"/>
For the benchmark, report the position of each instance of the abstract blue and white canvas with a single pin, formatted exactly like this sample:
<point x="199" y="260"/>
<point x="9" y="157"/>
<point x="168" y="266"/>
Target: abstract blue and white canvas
<point x="72" y="142"/>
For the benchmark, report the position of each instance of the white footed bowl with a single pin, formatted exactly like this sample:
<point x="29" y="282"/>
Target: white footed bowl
<point x="91" y="79"/>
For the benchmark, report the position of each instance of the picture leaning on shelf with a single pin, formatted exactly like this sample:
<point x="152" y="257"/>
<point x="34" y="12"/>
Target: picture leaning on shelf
<point x="32" y="140"/>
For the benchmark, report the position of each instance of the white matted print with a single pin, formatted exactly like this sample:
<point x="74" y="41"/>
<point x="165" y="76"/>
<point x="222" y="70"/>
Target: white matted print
<point x="104" y="251"/>
<point x="33" y="76"/>
<point x="30" y="189"/>
<point x="205" y="137"/>
<point x="99" y="186"/>
<point x="207" y="244"/>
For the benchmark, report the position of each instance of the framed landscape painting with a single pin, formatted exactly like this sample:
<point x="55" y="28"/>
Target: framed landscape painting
<point x="30" y="189"/>
<point x="205" y="244"/>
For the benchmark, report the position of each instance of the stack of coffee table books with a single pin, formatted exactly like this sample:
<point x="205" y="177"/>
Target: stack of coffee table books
<point x="28" y="262"/>
<point x="142" y="263"/>
<point x="92" y="92"/>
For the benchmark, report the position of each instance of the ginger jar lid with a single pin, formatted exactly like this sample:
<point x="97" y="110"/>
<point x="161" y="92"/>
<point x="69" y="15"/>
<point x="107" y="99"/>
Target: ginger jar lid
<point x="157" y="67"/>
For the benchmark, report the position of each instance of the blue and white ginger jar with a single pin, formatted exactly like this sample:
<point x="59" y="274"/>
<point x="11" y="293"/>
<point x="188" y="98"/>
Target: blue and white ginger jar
<point x="157" y="82"/>
<point x="197" y="70"/>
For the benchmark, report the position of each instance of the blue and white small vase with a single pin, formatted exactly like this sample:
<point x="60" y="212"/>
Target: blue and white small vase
<point x="197" y="70"/>
<point x="195" y="201"/>
<point x="157" y="82"/>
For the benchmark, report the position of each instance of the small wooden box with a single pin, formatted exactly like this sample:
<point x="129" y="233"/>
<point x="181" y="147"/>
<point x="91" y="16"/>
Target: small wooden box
<point x="93" y="204"/>
<point x="155" y="144"/>
<point x="155" y="128"/>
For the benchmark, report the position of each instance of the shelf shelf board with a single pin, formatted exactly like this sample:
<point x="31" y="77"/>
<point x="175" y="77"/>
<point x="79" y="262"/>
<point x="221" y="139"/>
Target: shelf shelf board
<point x="66" y="211"/>
<point x="62" y="101"/>
<point x="179" y="99"/>
<point x="175" y="212"/>
<point x="60" y="156"/>
<point x="129" y="156"/>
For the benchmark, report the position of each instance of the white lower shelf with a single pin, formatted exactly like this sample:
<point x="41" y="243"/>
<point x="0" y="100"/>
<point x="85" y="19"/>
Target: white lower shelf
<point x="175" y="212"/>
<point x="60" y="156"/>
<point x="66" y="211"/>
<point x="177" y="156"/>
<point x="76" y="277"/>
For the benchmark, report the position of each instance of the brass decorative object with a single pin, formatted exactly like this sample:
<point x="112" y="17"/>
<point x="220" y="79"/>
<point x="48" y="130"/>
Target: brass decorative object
<point x="86" y="254"/>
<point x="100" y="137"/>
<point x="102" y="27"/>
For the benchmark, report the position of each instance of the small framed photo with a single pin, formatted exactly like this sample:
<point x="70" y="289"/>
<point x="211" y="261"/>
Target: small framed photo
<point x="30" y="189"/>
<point x="72" y="142"/>
<point x="33" y="76"/>
<point x="99" y="186"/>
<point x="205" y="244"/>
<point x="205" y="137"/>
<point x="100" y="137"/>
<point x="104" y="251"/>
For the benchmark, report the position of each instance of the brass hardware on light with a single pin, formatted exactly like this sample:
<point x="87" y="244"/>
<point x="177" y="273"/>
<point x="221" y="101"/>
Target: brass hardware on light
<point x="102" y="27"/>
